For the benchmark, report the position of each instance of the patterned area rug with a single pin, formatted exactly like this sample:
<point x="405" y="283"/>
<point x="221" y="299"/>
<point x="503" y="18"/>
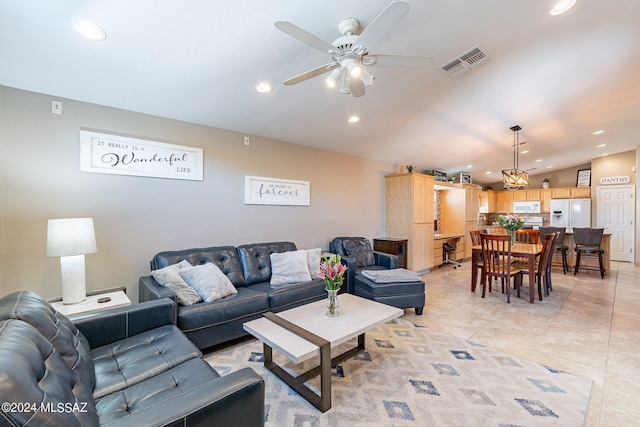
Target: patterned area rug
<point x="415" y="376"/>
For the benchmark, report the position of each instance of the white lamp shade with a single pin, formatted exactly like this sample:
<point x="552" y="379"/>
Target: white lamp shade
<point x="70" y="236"/>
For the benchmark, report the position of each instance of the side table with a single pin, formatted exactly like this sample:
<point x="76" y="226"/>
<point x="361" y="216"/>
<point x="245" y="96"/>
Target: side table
<point x="393" y="246"/>
<point x="91" y="304"/>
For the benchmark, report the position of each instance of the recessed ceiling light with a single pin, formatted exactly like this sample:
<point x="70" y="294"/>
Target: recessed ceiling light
<point x="524" y="151"/>
<point x="353" y="119"/>
<point x="469" y="166"/>
<point x="601" y="145"/>
<point x="549" y="167"/>
<point x="562" y="6"/>
<point x="90" y="30"/>
<point x="264" y="87"/>
<point x="488" y="173"/>
<point x="598" y="132"/>
<point x="538" y="160"/>
<point x="605" y="154"/>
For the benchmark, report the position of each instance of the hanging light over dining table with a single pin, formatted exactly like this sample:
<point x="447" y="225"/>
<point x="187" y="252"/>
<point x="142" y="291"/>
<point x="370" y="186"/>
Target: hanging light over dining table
<point x="515" y="179"/>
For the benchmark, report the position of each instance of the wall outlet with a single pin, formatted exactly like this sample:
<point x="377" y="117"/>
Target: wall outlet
<point x="246" y="140"/>
<point x="56" y="107"/>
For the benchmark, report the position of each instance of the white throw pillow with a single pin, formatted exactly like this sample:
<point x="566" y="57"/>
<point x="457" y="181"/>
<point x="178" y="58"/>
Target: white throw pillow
<point x="289" y="268"/>
<point x="170" y="277"/>
<point x="313" y="260"/>
<point x="209" y="281"/>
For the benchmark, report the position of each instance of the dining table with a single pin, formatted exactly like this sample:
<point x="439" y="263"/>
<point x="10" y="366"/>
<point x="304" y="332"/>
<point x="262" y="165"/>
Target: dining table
<point x="528" y="251"/>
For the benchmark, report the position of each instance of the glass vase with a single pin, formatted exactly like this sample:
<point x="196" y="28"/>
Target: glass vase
<point x="333" y="307"/>
<point x="512" y="234"/>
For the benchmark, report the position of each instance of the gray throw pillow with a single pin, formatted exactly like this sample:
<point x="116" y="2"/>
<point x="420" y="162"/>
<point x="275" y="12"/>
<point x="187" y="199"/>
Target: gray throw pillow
<point x="169" y="277"/>
<point x="209" y="281"/>
<point x="361" y="250"/>
<point x="289" y="267"/>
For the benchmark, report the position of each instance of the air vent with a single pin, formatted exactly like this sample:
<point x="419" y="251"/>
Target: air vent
<point x="465" y="62"/>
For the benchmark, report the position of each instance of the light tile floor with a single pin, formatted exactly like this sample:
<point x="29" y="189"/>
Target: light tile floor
<point x="587" y="326"/>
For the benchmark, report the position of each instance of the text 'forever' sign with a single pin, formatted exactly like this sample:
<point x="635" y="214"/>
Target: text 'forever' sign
<point x="121" y="155"/>
<point x="274" y="191"/>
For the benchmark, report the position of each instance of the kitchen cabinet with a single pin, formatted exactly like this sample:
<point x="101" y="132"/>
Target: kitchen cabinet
<point x="471" y="202"/>
<point x="545" y="201"/>
<point x="504" y="201"/>
<point x="409" y="215"/>
<point x="487" y="201"/>
<point x="571" y="193"/>
<point x="526" y="195"/>
<point x="580" y="193"/>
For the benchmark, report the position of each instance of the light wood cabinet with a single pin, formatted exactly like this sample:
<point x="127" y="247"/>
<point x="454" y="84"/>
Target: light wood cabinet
<point x="519" y="195"/>
<point x="580" y="192"/>
<point x="471" y="202"/>
<point x="409" y="215"/>
<point x="571" y="193"/>
<point x="533" y="195"/>
<point x="545" y="199"/>
<point x="504" y="201"/>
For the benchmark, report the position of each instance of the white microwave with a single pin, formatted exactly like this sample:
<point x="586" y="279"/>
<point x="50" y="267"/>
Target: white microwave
<point x="526" y="207"/>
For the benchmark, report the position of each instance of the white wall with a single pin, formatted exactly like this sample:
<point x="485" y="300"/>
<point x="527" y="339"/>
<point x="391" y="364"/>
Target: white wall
<point x="136" y="217"/>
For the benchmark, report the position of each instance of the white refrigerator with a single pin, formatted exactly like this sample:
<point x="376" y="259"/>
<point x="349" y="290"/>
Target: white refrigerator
<point x="569" y="213"/>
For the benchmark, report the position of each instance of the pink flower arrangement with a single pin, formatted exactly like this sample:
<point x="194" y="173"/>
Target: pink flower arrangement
<point x="332" y="271"/>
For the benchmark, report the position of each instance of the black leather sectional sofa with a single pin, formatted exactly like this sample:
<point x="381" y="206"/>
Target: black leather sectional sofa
<point x="249" y="269"/>
<point x="127" y="366"/>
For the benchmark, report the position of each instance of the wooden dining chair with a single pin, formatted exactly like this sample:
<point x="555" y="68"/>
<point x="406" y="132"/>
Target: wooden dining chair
<point x="543" y="266"/>
<point x="475" y="241"/>
<point x="527" y="236"/>
<point x="498" y="263"/>
<point x="560" y="248"/>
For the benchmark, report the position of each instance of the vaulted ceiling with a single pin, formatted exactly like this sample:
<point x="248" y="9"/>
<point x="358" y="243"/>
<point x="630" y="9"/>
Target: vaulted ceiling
<point x="561" y="78"/>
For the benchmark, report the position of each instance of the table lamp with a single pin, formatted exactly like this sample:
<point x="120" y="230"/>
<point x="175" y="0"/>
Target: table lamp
<point x="70" y="239"/>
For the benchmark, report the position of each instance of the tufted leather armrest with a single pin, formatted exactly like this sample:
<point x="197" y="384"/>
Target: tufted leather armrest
<point x="105" y="327"/>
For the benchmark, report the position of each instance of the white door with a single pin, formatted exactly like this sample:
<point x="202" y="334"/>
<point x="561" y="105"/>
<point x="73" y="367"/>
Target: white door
<point x="616" y="210"/>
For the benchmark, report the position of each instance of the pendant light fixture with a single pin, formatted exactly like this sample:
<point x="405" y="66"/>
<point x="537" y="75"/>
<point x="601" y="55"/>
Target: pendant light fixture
<point x="515" y="179"/>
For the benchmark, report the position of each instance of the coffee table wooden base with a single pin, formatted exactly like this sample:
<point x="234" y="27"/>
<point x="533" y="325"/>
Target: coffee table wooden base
<point x="321" y="401"/>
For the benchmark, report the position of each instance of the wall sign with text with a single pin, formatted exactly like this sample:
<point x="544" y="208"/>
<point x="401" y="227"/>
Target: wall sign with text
<point x="121" y="155"/>
<point x="274" y="191"/>
<point x="608" y="180"/>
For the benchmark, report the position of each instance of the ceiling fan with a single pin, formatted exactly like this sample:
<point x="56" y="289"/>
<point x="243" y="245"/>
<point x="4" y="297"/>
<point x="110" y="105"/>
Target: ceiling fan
<point x="351" y="53"/>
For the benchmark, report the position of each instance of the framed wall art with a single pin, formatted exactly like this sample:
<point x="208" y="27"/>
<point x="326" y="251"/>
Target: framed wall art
<point x="584" y="178"/>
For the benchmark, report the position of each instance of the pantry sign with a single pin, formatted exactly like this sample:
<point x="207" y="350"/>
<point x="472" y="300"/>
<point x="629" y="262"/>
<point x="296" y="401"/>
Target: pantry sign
<point x="122" y="155"/>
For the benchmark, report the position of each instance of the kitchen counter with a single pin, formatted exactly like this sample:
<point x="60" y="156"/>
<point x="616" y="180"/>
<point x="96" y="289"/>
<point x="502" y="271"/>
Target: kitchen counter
<point x="446" y="236"/>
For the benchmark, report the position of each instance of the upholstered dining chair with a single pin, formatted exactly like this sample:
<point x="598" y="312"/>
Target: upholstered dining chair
<point x="587" y="244"/>
<point x="498" y="263"/>
<point x="559" y="248"/>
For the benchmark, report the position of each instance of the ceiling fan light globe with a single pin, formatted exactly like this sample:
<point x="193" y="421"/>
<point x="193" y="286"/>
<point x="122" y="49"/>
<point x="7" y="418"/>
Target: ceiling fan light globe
<point x="367" y="78"/>
<point x="355" y="71"/>
<point x="333" y="78"/>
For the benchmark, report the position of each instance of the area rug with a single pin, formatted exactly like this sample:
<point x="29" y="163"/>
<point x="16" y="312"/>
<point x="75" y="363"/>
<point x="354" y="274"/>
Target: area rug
<point x="415" y="376"/>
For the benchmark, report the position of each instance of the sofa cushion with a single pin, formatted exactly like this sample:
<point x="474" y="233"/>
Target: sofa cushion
<point x="289" y="267"/>
<point x="55" y="327"/>
<point x="225" y="257"/>
<point x="32" y="371"/>
<point x="283" y="298"/>
<point x="243" y="305"/>
<point x="361" y="250"/>
<point x="152" y="393"/>
<point x="137" y="358"/>
<point x="255" y="259"/>
<point x="209" y="281"/>
<point x="169" y="277"/>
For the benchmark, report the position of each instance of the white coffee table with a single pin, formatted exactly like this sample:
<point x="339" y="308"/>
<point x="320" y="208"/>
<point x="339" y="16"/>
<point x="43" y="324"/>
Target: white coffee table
<point x="303" y="332"/>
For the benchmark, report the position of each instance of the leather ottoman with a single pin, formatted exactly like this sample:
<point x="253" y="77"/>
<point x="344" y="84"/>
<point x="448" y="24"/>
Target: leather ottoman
<point x="398" y="294"/>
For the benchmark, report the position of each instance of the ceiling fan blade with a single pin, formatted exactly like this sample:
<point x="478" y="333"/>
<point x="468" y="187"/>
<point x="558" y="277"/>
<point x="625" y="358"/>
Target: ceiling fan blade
<point x="382" y="24"/>
<point x="305" y="37"/>
<point x="310" y="74"/>
<point x="400" y="61"/>
<point x="357" y="88"/>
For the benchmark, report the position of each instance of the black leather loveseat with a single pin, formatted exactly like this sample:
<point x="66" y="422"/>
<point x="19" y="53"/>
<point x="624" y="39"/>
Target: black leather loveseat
<point x="249" y="269"/>
<point x="127" y="366"/>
